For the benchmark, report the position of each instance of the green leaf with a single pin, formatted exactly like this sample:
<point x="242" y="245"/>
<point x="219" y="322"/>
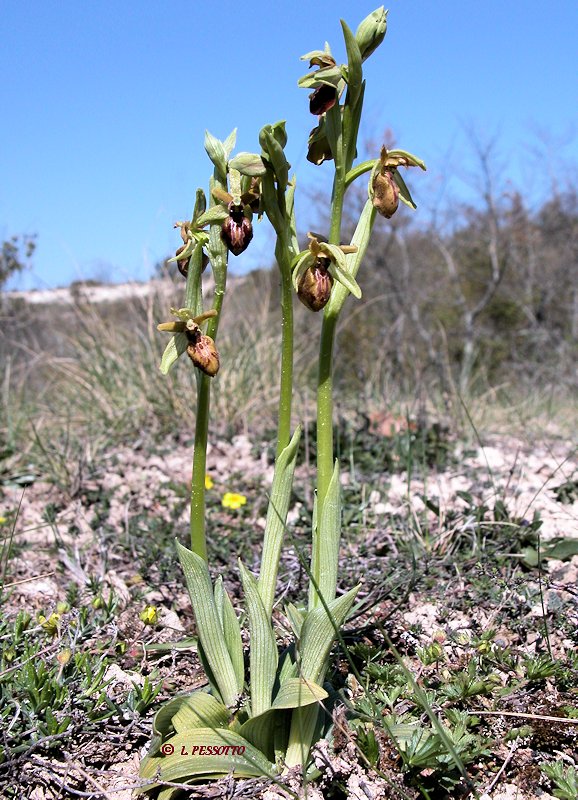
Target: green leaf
<point x="211" y="634"/>
<point x="297" y="692"/>
<point x="360" y="239"/>
<point x="260" y="731"/>
<point x="333" y="129"/>
<point x="231" y="630"/>
<point x="163" y="722"/>
<point x="263" y="653"/>
<point x="561" y="549"/>
<point x="275" y="155"/>
<point x="200" y="710"/>
<point x="217" y="251"/>
<point x="276" y="520"/>
<point x="193" y="288"/>
<point x="271" y="203"/>
<point x="326" y="544"/>
<point x="174" y="349"/>
<point x="182" y="766"/>
<point x="295" y="617"/>
<point x="354" y="71"/>
<point x="318" y="635"/>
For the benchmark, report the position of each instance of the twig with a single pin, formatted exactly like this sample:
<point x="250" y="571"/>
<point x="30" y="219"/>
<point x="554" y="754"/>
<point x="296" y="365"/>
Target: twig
<point x="27" y="580"/>
<point x="513" y="748"/>
<point x="566" y="720"/>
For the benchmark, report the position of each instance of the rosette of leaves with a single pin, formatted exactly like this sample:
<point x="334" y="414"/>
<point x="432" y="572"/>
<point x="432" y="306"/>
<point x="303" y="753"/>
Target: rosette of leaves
<point x="255" y="714"/>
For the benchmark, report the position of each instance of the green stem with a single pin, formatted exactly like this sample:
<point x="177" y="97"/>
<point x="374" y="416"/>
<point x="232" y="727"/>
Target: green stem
<point x="325" y="373"/>
<point x="198" y="537"/>
<point x="286" y="379"/>
<point x="197" y="506"/>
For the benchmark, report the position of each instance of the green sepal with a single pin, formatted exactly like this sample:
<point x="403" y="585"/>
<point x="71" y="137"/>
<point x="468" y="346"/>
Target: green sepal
<point x="404" y="193"/>
<point x="174" y="349"/>
<point x="338" y="269"/>
<point x="211" y="635"/>
<point x="249" y="164"/>
<point x="331" y="76"/>
<point x="317" y="55"/>
<point x="200" y="205"/>
<point x="263" y="655"/>
<point x="401" y="158"/>
<point x="214" y="215"/>
<point x="216" y="152"/>
<point x="230" y="142"/>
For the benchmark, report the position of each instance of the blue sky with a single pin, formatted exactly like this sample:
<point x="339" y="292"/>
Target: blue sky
<point x="105" y="105"/>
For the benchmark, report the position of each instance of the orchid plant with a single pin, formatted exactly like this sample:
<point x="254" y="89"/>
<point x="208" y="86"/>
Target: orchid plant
<point x="264" y="723"/>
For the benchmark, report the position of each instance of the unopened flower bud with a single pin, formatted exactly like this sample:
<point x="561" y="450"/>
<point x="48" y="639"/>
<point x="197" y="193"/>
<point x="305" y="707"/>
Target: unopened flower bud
<point x="314" y="289"/>
<point x="371" y="32"/>
<point x="385" y="193"/>
<point x="202" y="352"/>
<point x="237" y="230"/>
<point x="322" y="99"/>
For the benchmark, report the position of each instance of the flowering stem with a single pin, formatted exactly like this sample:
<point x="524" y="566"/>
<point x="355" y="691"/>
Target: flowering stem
<point x="286" y="378"/>
<point x="197" y="506"/>
<point x="198" y="537"/>
<point x="325" y="373"/>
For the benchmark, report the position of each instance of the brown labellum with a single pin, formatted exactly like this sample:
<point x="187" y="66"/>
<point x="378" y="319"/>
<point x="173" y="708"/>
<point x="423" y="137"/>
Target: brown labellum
<point x="314" y="289"/>
<point x="322" y="99"/>
<point x="237" y="230"/>
<point x="183" y="263"/>
<point x="203" y="353"/>
<point x="385" y="193"/>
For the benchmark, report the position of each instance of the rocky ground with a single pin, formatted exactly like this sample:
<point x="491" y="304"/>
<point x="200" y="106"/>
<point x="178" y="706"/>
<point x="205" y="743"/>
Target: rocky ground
<point x="444" y="559"/>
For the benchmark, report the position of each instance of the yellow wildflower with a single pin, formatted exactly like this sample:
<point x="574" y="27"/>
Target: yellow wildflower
<point x="208" y="482"/>
<point x="2" y="520"/>
<point x="50" y="624"/>
<point x="149" y="616"/>
<point x="233" y="500"/>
